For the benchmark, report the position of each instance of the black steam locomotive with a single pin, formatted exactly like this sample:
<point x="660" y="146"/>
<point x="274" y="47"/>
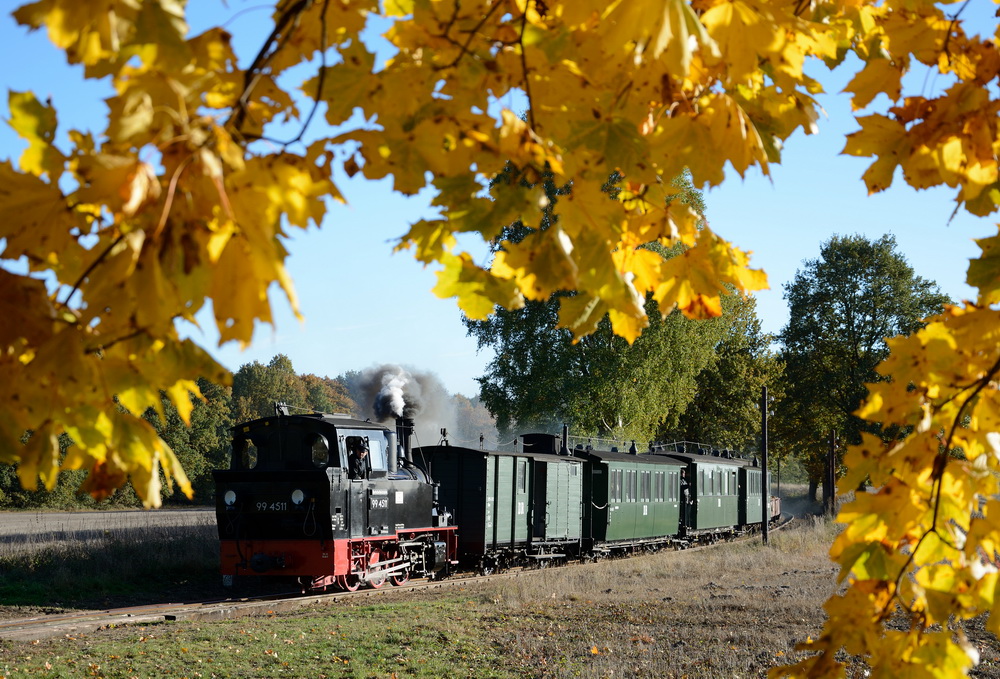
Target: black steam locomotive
<point x="288" y="506"/>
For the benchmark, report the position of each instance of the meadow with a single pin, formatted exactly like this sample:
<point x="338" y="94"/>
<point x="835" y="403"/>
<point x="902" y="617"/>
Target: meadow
<point x="732" y="611"/>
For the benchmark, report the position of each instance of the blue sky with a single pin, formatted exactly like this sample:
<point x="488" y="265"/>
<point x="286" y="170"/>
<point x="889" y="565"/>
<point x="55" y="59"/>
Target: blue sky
<point x="364" y="305"/>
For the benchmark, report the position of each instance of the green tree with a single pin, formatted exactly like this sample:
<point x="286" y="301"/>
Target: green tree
<point x="473" y="420"/>
<point x="327" y="395"/>
<point x="725" y="410"/>
<point x="256" y="387"/>
<point x="843" y="306"/>
<point x="203" y="446"/>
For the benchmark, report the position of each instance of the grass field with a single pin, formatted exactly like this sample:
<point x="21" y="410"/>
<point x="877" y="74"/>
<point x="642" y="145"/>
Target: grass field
<point x="733" y="611"/>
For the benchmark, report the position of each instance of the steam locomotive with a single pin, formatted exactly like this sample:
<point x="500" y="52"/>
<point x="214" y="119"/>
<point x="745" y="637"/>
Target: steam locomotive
<point x="289" y="507"/>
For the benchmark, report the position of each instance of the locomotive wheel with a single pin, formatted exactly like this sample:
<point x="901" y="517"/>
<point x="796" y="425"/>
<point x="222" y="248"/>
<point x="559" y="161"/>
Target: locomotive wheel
<point x="398" y="577"/>
<point x="349" y="582"/>
<point x="373" y="560"/>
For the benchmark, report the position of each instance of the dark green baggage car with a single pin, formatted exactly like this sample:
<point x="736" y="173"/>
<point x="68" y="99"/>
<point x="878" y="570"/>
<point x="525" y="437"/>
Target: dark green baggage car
<point x="511" y="509"/>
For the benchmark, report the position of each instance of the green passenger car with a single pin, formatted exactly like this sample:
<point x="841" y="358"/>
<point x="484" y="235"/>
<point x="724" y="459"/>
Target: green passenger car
<point x="714" y="507"/>
<point x="635" y="500"/>
<point x="751" y="495"/>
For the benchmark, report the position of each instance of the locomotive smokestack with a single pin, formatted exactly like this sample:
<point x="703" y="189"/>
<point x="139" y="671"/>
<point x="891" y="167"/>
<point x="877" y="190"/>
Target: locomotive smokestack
<point x="404" y="429"/>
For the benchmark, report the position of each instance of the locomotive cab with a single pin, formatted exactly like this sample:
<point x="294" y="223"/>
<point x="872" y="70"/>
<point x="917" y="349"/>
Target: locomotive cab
<point x="304" y="444"/>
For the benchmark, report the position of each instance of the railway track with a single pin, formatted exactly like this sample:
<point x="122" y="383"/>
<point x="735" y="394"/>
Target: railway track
<point x="70" y="624"/>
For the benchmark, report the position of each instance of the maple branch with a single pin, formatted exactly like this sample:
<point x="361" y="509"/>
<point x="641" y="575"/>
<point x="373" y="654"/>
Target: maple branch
<point x="524" y="70"/>
<point x="322" y="71"/>
<point x="938" y="475"/>
<point x="90" y="269"/>
<point x="270" y="47"/>
<point x="464" y="48"/>
<point x="942" y="459"/>
<point x="319" y="81"/>
<point x="118" y="340"/>
<point x="159" y="227"/>
<point x="951" y="25"/>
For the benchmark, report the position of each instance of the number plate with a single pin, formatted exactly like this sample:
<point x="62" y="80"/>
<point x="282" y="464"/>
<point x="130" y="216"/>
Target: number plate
<point x="272" y="506"/>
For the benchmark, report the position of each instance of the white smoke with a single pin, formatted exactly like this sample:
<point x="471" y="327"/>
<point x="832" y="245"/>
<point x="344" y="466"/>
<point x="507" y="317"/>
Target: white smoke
<point x="390" y="400"/>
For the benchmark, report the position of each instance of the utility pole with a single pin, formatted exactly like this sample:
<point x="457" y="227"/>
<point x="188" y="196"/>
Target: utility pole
<point x="830" y="482"/>
<point x="765" y="496"/>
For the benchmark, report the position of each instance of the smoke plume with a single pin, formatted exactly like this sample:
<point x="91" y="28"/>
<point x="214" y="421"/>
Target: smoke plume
<point x="389" y="391"/>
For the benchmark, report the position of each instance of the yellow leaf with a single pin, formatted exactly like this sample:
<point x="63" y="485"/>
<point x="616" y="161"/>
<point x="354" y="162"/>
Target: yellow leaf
<point x="733" y="134"/>
<point x="541" y="263"/>
<point x="37" y="222"/>
<point x="36" y="123"/>
<point x="476" y="290"/>
<point x="668" y="31"/>
<point x="345" y="85"/>
<point x="120" y="183"/>
<point x="40" y="458"/>
<point x="28" y="314"/>
<point x="681" y="140"/>
<point x="581" y="314"/>
<point x="882" y="137"/>
<point x="694" y="279"/>
<point x="616" y="144"/>
<point x="742" y="35"/>
<point x="877" y="77"/>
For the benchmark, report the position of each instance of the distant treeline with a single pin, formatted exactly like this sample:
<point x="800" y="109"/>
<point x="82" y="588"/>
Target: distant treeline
<point x="204" y="445"/>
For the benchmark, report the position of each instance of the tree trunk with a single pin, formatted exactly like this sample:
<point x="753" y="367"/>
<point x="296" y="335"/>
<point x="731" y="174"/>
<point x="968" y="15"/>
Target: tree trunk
<point x="813" y="487"/>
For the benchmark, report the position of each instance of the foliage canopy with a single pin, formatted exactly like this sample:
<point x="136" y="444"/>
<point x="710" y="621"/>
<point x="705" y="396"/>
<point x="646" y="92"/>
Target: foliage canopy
<point x="133" y="226"/>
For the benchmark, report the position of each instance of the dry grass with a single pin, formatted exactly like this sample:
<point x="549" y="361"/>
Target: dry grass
<point x="121" y="564"/>
<point x="732" y="611"/>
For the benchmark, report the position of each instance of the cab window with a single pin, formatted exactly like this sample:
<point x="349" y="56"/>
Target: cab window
<point x="320" y="451"/>
<point x="375" y="445"/>
<point x="377" y="454"/>
<point x="248" y="454"/>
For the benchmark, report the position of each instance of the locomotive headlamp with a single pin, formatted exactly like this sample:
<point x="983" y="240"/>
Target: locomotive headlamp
<point x="230" y="497"/>
<point x="298" y="496"/>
